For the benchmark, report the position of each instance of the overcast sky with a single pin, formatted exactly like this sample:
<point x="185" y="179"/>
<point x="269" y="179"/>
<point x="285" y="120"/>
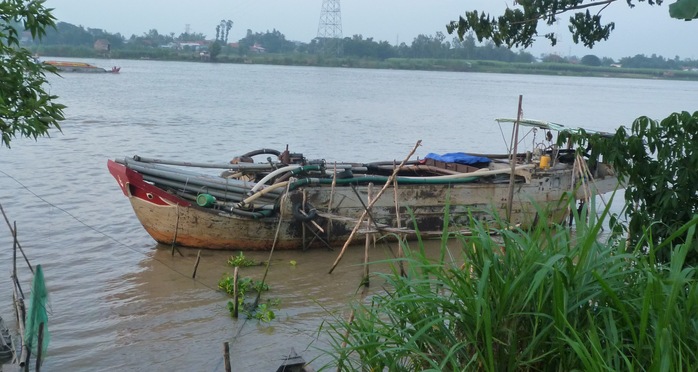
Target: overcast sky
<point x="644" y="29"/>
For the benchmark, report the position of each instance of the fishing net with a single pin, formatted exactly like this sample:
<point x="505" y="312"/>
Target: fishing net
<point x="37" y="314"/>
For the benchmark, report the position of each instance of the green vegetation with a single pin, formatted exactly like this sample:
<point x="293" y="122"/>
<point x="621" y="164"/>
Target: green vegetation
<point x="539" y="300"/>
<point x="263" y="312"/>
<point x="241" y="261"/>
<point x="656" y="160"/>
<point x="248" y="286"/>
<point x="546" y="299"/>
<point x="518" y="26"/>
<point x="26" y="109"/>
<point x="426" y="52"/>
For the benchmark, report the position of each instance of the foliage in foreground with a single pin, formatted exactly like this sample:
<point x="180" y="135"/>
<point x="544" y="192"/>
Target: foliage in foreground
<point x="656" y="161"/>
<point x="518" y="24"/>
<point x="26" y="109"/>
<point x="539" y="300"/>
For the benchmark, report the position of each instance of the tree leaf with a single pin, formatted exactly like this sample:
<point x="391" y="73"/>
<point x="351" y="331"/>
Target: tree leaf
<point x="684" y="9"/>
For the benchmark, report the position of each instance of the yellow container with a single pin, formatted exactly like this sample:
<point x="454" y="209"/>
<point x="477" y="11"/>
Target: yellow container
<point x="545" y="161"/>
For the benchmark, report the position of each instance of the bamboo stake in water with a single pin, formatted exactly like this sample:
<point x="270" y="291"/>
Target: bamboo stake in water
<point x="363" y="215"/>
<point x="13" y="231"/>
<point x="365" y="281"/>
<point x="40" y="340"/>
<point x="196" y="265"/>
<point x="226" y="356"/>
<point x="236" y="294"/>
<point x="329" y="205"/>
<point x="303" y="228"/>
<point x="174" y="238"/>
<point x="512" y="177"/>
<point x="399" y="225"/>
<point x="14" y="251"/>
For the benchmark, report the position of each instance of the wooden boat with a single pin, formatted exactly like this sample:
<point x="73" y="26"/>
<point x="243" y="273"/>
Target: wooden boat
<point x="68" y="66"/>
<point x="292" y="202"/>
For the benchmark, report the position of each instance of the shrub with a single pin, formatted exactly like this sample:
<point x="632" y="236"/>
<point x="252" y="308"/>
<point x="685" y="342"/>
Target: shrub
<point x="546" y="299"/>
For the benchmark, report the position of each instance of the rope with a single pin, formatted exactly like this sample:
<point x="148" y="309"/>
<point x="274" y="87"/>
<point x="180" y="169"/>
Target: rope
<point x="273" y="245"/>
<point x="188" y="276"/>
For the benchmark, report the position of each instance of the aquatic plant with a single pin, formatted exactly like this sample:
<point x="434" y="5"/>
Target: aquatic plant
<point x="263" y="312"/>
<point x="241" y="261"/>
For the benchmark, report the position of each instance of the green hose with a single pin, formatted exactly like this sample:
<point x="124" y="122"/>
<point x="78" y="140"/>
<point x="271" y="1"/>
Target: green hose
<point x="378" y="179"/>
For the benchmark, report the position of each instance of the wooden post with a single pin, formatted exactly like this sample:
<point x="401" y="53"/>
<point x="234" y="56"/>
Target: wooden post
<point x="40" y="340"/>
<point x="14" y="250"/>
<point x="363" y="215"/>
<point x="400" y="253"/>
<point x="514" y="150"/>
<point x="369" y="199"/>
<point x="14" y="233"/>
<point x="346" y="334"/>
<point x="236" y="294"/>
<point x="174" y="238"/>
<point x="196" y="265"/>
<point x="21" y="319"/>
<point x="303" y="228"/>
<point x="226" y="356"/>
<point x="329" y="205"/>
<point x="25" y="356"/>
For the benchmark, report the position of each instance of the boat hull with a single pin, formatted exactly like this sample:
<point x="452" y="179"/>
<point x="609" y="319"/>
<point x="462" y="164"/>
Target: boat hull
<point x="170" y="219"/>
<point x="68" y="66"/>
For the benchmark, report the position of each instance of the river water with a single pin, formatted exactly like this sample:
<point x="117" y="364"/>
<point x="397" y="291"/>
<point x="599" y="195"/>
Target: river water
<point x="119" y="301"/>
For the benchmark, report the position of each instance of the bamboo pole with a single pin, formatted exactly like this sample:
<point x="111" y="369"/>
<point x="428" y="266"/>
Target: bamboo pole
<point x="303" y="227"/>
<point x="24" y="352"/>
<point x="512" y="176"/>
<point x="18" y="295"/>
<point x="21" y="317"/>
<point x="592" y="181"/>
<point x="329" y="205"/>
<point x="226" y="356"/>
<point x="400" y="253"/>
<point x="40" y="340"/>
<point x="14" y="250"/>
<point x="236" y="294"/>
<point x="174" y="239"/>
<point x="284" y="199"/>
<point x="369" y="198"/>
<point x="346" y="334"/>
<point x="365" y="212"/>
<point x="7" y="221"/>
<point x="196" y="265"/>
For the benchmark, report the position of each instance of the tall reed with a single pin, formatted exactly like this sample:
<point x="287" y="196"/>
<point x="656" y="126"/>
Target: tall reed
<point x="540" y="300"/>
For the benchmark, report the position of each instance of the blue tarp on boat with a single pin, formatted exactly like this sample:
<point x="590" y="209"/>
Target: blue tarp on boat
<point x="458" y="157"/>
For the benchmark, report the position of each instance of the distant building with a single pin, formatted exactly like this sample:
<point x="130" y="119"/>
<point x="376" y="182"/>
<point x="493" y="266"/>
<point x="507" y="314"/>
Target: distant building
<point x="196" y="45"/>
<point x="256" y="48"/>
<point x="102" y="45"/>
<point x="618" y="65"/>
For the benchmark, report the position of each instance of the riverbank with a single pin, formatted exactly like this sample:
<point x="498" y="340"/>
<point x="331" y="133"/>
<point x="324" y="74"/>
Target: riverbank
<point x="421" y="64"/>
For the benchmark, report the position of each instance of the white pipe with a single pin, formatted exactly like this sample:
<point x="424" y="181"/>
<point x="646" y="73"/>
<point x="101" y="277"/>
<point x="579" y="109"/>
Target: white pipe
<point x="477" y="173"/>
<point x="263" y="192"/>
<point x="272" y="175"/>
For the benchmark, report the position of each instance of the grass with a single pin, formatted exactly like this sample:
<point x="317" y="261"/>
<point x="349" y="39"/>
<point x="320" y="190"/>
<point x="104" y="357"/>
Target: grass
<point x="539" y="300"/>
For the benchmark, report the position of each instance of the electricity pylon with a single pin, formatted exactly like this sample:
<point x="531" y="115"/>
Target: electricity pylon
<point x="329" y="30"/>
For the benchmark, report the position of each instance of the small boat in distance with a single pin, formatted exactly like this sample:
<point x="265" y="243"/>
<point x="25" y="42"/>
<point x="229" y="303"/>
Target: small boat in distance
<point x="69" y="66"/>
<point x="293" y="202"/>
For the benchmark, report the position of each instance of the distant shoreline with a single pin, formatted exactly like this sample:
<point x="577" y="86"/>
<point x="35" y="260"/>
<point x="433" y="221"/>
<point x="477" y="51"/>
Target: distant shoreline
<point x="417" y="64"/>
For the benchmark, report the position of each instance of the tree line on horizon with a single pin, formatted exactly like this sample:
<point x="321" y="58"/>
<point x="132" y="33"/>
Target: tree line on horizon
<point x="70" y="40"/>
